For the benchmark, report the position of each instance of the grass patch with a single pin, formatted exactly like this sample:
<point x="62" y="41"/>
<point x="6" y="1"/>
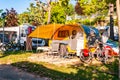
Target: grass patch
<point x="12" y="57"/>
<point x="79" y="72"/>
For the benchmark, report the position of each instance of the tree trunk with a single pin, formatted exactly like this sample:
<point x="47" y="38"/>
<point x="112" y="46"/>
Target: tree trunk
<point x="118" y="14"/>
<point x="49" y="11"/>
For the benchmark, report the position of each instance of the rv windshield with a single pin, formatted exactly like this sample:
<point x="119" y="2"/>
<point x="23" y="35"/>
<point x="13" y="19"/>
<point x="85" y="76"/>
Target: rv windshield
<point x="6" y="40"/>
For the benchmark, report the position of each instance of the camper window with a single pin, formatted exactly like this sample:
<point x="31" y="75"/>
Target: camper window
<point x="63" y="33"/>
<point x="74" y="32"/>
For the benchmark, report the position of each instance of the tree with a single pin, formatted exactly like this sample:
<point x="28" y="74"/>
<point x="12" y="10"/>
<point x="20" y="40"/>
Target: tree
<point x="34" y="15"/>
<point x="1" y="20"/>
<point x="49" y="11"/>
<point x="68" y="8"/>
<point x="89" y="7"/>
<point x="46" y="8"/>
<point x="11" y="18"/>
<point x="118" y="14"/>
<point x="55" y="11"/>
<point x="24" y="18"/>
<point x="78" y="9"/>
<point x="59" y="12"/>
<point x="64" y="3"/>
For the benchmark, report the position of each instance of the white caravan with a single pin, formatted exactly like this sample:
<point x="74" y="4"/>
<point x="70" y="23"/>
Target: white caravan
<point x="20" y="34"/>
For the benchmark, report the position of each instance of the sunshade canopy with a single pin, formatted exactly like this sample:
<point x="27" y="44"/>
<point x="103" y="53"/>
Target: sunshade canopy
<point x="45" y="31"/>
<point x="50" y="31"/>
<point x="59" y="31"/>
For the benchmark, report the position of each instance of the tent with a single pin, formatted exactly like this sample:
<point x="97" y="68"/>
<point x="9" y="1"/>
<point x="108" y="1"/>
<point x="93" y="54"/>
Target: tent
<point x="87" y="30"/>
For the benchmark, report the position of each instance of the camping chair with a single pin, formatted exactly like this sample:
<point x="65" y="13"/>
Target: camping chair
<point x="54" y="49"/>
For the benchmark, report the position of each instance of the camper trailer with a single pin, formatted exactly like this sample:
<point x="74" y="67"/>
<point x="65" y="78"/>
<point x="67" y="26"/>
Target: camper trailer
<point x="62" y="37"/>
<point x="18" y="34"/>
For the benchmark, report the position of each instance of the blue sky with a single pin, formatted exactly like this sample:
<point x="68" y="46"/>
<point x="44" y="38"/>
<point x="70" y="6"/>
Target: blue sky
<point x="19" y="5"/>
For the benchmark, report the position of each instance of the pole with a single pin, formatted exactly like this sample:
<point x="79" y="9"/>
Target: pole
<point x="111" y="28"/>
<point x="118" y="14"/>
<point x="3" y="30"/>
<point x="3" y="17"/>
<point x="111" y="21"/>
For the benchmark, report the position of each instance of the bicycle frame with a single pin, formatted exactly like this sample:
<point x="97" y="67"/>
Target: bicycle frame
<point x="100" y="53"/>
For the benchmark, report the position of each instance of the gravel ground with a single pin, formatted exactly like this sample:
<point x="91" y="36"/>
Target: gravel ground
<point x="57" y="60"/>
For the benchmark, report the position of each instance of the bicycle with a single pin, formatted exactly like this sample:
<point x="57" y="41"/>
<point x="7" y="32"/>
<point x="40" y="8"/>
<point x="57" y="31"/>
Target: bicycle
<point x="3" y="47"/>
<point x="100" y="52"/>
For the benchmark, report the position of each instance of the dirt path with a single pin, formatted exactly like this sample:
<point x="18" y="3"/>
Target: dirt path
<point x="57" y="60"/>
<point x="8" y="72"/>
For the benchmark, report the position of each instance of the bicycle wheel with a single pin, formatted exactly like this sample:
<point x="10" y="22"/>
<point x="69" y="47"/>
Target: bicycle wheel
<point x="100" y="55"/>
<point x="85" y="56"/>
<point x="2" y="48"/>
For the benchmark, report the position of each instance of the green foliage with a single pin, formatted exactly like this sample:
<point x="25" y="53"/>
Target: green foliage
<point x="23" y="17"/>
<point x="64" y="3"/>
<point x="72" y="21"/>
<point x="88" y="22"/>
<point x="1" y="10"/>
<point x="69" y="10"/>
<point x="99" y="18"/>
<point x="93" y="6"/>
<point x="34" y="15"/>
<point x="58" y="14"/>
<point x="1" y="20"/>
<point x="110" y="1"/>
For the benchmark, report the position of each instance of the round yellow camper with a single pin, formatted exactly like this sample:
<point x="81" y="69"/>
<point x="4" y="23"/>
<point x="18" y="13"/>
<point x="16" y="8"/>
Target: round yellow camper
<point x="69" y="35"/>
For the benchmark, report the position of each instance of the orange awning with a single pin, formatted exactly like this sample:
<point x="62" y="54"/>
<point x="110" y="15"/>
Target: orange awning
<point x="45" y="31"/>
<point x="51" y="31"/>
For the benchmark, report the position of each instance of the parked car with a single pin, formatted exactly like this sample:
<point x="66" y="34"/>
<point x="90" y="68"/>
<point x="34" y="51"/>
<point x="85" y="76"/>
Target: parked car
<point x="37" y="42"/>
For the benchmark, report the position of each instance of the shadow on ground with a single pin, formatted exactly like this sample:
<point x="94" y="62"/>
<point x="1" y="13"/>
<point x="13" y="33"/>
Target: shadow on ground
<point x="8" y="72"/>
<point x="83" y="72"/>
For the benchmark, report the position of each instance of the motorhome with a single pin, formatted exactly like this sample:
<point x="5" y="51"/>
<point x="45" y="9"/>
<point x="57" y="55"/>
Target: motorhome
<point x="18" y="34"/>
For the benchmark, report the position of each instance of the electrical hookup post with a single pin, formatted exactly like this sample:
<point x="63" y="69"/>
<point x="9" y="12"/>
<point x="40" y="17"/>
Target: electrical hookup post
<point x="118" y="14"/>
<point x="29" y="40"/>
